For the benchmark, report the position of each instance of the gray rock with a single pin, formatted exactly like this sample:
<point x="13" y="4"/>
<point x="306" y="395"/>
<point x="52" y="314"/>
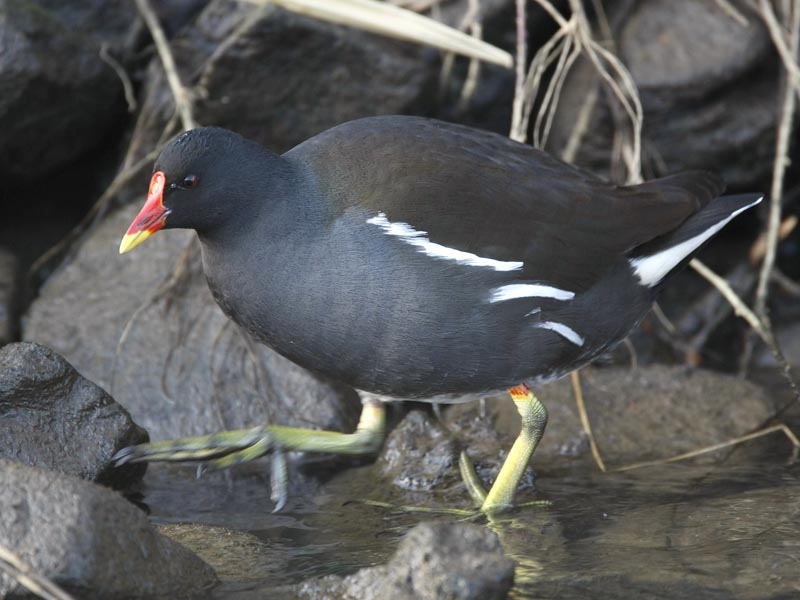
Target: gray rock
<point x="52" y="417"/>
<point x="686" y="50"/>
<point x="286" y="77"/>
<point x="104" y="21"/>
<point x="90" y="541"/>
<point x="236" y="556"/>
<point x="436" y="561"/>
<point x="50" y="67"/>
<point x="304" y="64"/>
<point x="171" y="357"/>
<point x="418" y="454"/>
<point x="9" y="280"/>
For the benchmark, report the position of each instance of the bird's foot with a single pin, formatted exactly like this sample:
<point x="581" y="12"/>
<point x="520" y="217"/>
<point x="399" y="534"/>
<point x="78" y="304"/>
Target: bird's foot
<point x="500" y="496"/>
<point x="479" y="494"/>
<point x="218" y="451"/>
<point x="229" y="448"/>
<point x="215" y="451"/>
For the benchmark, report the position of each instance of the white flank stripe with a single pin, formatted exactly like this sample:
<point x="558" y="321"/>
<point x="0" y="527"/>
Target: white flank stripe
<point x="411" y="236"/>
<point x="652" y="269"/>
<point x="566" y="332"/>
<point x="529" y="290"/>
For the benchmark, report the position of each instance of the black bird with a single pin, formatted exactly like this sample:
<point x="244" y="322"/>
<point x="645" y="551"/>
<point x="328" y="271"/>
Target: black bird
<point x="416" y="259"/>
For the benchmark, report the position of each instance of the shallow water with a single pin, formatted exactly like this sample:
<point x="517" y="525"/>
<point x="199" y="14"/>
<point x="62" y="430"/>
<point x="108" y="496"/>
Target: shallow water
<point x="705" y="532"/>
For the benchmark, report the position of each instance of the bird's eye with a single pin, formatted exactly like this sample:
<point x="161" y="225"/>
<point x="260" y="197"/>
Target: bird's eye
<point x="190" y="181"/>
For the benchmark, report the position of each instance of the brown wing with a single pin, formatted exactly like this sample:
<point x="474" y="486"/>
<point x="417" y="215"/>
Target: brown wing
<point x="482" y="193"/>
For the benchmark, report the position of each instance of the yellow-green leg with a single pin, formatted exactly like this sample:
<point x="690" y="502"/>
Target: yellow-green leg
<point x="501" y="495"/>
<point x="228" y="448"/>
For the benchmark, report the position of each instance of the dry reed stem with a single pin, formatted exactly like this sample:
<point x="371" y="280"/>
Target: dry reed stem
<point x="790" y="435"/>
<point x="23" y="574"/>
<point x="782" y="143"/>
<point x="392" y="21"/>
<point x="473" y="70"/>
<point x="469" y="22"/>
<point x="518" y="131"/>
<point x="181" y="95"/>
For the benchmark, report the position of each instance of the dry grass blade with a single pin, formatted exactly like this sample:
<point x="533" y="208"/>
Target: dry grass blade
<point x="790" y="435"/>
<point x="469" y="22"/>
<point x="759" y="248"/>
<point x="544" y="118"/>
<point x="577" y="390"/>
<point x="29" y="579"/>
<point x="519" y="129"/>
<point x="393" y="21"/>
<point x="542" y="61"/>
<point x="574" y="38"/>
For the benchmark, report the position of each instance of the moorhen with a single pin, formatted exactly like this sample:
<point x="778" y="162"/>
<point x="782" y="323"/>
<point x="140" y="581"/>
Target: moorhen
<point x="416" y="259"/>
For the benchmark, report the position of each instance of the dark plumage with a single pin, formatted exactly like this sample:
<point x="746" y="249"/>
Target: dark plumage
<point x="413" y="258"/>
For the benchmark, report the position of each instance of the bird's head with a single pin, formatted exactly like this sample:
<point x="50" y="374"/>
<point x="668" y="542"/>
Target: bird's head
<point x="200" y="180"/>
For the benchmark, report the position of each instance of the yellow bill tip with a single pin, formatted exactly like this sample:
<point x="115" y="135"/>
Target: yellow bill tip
<point x="131" y="240"/>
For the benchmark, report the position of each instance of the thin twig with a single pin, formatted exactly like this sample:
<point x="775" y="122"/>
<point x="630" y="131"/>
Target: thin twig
<point x="581" y="126"/>
<point x="763" y="330"/>
<point x="739" y="307"/>
<point x="127" y="86"/>
<point x="255" y="16"/>
<point x="779" y="166"/>
<point x="182" y="96"/>
<point x="730" y="10"/>
<point x="790" y="286"/>
<point x="663" y="319"/>
<point x="786" y="52"/>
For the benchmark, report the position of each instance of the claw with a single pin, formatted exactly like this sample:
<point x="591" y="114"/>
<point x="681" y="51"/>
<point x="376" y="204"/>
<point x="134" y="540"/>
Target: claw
<point x="279" y="480"/>
<point x="125" y="455"/>
<point x="471" y="479"/>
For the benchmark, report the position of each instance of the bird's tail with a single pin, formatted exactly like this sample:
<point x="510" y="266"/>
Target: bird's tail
<point x="653" y="261"/>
